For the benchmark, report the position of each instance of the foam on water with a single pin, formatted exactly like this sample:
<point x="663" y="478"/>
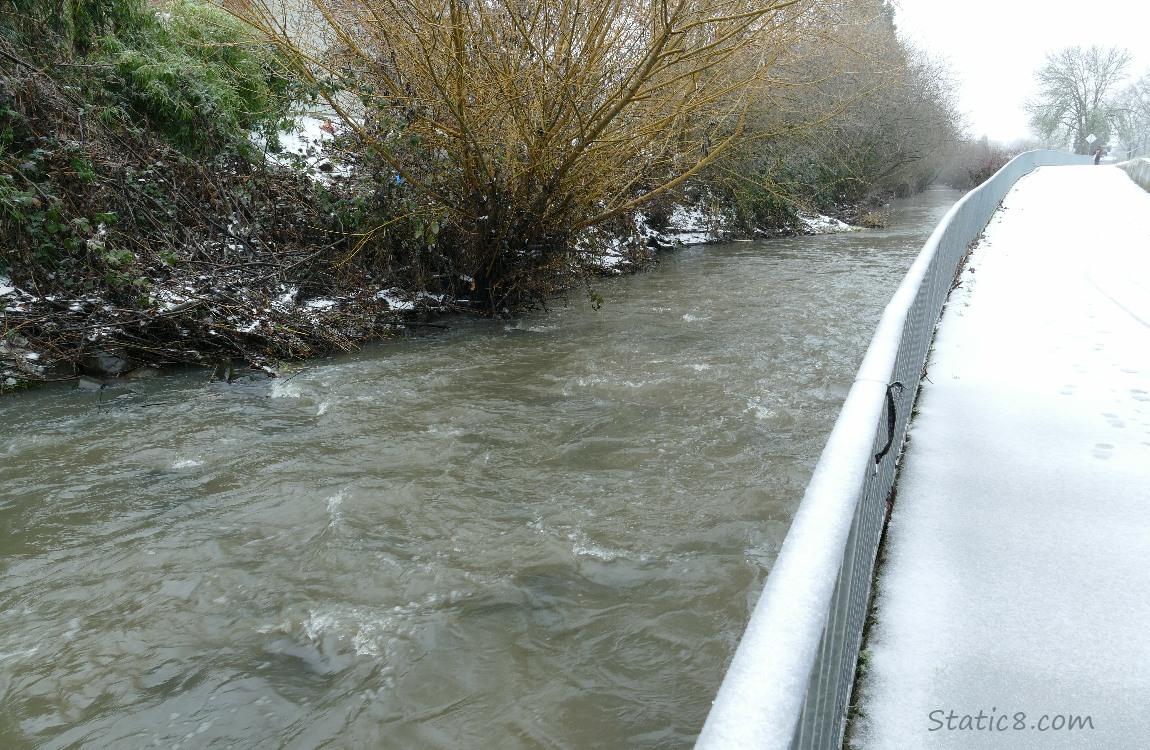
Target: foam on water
<point x="333" y="507"/>
<point x="583" y="546"/>
<point x="285" y="389"/>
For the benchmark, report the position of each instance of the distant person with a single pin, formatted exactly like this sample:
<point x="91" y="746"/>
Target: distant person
<point x="1097" y="154"/>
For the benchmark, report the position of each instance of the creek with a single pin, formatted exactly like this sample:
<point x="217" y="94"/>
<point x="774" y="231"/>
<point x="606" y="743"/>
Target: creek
<point x="542" y="533"/>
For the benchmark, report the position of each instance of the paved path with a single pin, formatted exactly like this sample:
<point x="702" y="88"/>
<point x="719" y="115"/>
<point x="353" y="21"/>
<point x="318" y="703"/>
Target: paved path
<point x="1015" y="597"/>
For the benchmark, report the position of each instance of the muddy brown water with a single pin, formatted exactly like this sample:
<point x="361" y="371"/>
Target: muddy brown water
<point x="545" y="533"/>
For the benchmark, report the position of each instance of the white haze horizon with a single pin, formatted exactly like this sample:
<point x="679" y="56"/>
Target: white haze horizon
<point x="993" y="48"/>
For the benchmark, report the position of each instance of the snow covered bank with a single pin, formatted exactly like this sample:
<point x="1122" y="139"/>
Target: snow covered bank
<point x="1139" y="171"/>
<point x="17" y="362"/>
<point x="687" y="225"/>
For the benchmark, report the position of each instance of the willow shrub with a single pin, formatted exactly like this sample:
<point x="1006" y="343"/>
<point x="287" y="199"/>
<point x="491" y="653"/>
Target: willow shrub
<point x="522" y="124"/>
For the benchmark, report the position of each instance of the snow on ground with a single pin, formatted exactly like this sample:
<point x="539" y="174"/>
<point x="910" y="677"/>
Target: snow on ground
<point x="11" y="298"/>
<point x="303" y="145"/>
<point x="15" y="358"/>
<point x="1013" y="605"/>
<point x="819" y="224"/>
<point x="687" y="226"/>
<point x="691" y="225"/>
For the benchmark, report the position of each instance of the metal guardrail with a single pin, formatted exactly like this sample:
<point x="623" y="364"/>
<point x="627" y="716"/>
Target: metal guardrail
<point x="790" y="681"/>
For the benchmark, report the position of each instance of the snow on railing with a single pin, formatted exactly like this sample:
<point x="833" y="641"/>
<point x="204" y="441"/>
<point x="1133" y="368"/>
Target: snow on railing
<point x="790" y="681"/>
<point x="1139" y="171"/>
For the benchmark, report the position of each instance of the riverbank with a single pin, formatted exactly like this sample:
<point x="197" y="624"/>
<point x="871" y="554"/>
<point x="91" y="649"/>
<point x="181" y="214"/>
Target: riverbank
<point x="252" y="277"/>
<point x="121" y="252"/>
<point x="154" y="211"/>
<point x="244" y="315"/>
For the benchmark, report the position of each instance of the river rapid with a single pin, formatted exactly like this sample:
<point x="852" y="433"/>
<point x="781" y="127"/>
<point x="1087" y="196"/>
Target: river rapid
<point x="544" y="533"/>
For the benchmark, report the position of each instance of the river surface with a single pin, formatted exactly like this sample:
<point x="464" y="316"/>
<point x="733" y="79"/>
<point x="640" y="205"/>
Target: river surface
<point x="545" y="533"/>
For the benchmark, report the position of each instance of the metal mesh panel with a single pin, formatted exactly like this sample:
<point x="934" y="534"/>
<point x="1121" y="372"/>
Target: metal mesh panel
<point x="747" y="714"/>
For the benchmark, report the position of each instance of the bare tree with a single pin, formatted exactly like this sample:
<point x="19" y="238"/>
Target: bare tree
<point x="897" y="139"/>
<point x="873" y="114"/>
<point x="1134" y="118"/>
<point x="522" y="122"/>
<point x="1076" y="90"/>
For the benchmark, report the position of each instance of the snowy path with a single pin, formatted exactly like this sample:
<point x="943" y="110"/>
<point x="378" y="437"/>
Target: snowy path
<point x="1015" y="598"/>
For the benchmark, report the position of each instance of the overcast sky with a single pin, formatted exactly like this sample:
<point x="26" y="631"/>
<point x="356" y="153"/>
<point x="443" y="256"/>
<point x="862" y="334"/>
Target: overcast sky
<point x="994" y="47"/>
